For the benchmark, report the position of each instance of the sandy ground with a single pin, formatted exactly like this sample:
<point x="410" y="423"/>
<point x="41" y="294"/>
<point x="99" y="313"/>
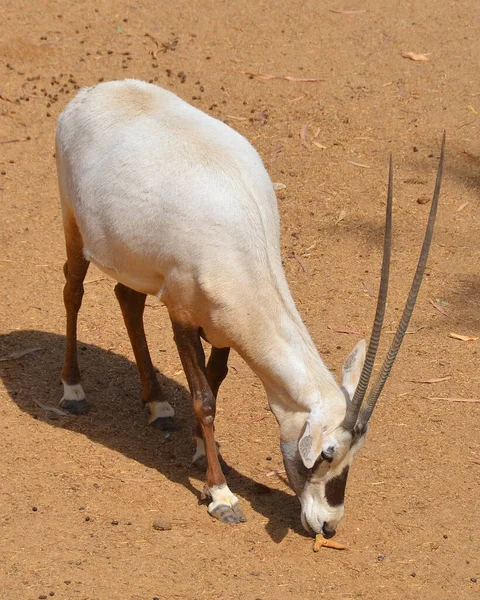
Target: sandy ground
<point x="78" y="495"/>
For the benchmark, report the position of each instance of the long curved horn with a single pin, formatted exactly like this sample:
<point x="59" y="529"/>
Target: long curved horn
<point x="354" y="407"/>
<point x="377" y="387"/>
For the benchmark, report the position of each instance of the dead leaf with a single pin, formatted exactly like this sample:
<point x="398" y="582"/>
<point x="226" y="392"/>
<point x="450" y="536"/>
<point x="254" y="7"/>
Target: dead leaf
<point x="462" y="206"/>
<point x="276" y="151"/>
<point x="311" y="247"/>
<point x="416" y="57"/>
<point x="438" y="307"/>
<point x="298" y="259"/>
<point x="463" y="338"/>
<point x="51" y="409"/>
<point x="20" y="353"/>
<point x="368" y="290"/>
<point x="303" y="134"/>
<point x="341" y="216"/>
<point x="296" y="99"/>
<point x="356" y="164"/>
<point x="321" y="542"/>
<point x="434" y="380"/>
<point x="318" y="145"/>
<point x="342" y="330"/>
<point x="468" y="400"/>
<point x="265" y="77"/>
<point x="153" y="52"/>
<point x="278" y="473"/>
<point x="470" y="107"/>
<point x="255" y="419"/>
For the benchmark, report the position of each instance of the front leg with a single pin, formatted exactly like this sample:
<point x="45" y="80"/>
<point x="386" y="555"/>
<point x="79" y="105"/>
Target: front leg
<point x="224" y="505"/>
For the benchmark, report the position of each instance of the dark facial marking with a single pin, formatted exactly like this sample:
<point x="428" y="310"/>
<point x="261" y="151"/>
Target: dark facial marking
<point x="335" y="488"/>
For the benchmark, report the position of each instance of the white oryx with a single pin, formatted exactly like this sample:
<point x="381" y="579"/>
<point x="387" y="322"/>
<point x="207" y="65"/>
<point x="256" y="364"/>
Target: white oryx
<point x="174" y="203"/>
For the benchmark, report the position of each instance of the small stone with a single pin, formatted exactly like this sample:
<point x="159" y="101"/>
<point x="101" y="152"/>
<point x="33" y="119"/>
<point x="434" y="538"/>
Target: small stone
<point x="34" y="508"/>
<point x="51" y="594"/>
<point x="114" y="522"/>
<point x="423" y="199"/>
<point x="268" y="458"/>
<point x="473" y="579"/>
<point x="445" y="536"/>
<point x="413" y="574"/>
<point x="87" y="518"/>
<point x="42" y="597"/>
<point x="161" y="525"/>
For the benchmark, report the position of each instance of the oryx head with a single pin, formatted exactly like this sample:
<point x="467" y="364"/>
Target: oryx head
<point x="318" y="460"/>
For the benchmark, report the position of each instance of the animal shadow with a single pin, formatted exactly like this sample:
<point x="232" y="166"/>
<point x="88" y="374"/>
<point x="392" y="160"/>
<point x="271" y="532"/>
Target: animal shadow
<point x="117" y="419"/>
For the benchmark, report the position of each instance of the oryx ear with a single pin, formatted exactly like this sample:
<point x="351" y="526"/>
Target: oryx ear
<point x="310" y="444"/>
<point x="352" y="368"/>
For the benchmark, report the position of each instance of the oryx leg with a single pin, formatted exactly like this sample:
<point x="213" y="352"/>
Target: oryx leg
<point x="217" y="370"/>
<point x="132" y="304"/>
<point x="75" y="269"/>
<point x="224" y="505"/>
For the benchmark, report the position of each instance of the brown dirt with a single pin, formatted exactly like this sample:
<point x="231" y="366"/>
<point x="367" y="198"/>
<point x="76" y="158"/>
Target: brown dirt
<point x="412" y="499"/>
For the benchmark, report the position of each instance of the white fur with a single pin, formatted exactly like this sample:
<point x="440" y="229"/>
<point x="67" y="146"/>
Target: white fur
<point x="160" y="410"/>
<point x="199" y="450"/>
<point x="221" y="496"/>
<point x="73" y="392"/>
<point x="174" y="203"/>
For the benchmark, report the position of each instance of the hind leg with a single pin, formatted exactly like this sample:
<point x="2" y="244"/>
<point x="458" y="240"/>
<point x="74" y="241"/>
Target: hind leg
<point x="217" y="370"/>
<point x="224" y="505"/>
<point x="132" y="304"/>
<point x="75" y="269"/>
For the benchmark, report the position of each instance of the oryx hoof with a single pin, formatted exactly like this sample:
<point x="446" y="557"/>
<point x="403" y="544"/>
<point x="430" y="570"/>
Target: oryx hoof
<point x="228" y="514"/>
<point x="166" y="424"/>
<point x="76" y="407"/>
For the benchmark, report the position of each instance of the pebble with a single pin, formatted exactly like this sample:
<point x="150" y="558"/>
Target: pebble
<point x="161" y="525"/>
<point x="423" y="199"/>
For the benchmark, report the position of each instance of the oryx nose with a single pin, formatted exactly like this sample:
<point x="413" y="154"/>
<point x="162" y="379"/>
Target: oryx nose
<point x="328" y="532"/>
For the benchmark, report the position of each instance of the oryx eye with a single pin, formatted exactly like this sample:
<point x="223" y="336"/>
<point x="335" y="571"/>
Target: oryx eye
<point x="328" y="454"/>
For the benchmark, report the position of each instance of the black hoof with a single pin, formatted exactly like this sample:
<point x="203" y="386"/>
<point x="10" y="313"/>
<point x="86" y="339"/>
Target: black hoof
<point x="166" y="424"/>
<point x="227" y="514"/>
<point x="76" y="407"/>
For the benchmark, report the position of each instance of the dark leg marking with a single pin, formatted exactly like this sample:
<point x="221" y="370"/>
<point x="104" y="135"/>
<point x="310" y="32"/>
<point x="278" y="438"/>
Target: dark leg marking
<point x="187" y="339"/>
<point x="75" y="270"/>
<point x="132" y="304"/>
